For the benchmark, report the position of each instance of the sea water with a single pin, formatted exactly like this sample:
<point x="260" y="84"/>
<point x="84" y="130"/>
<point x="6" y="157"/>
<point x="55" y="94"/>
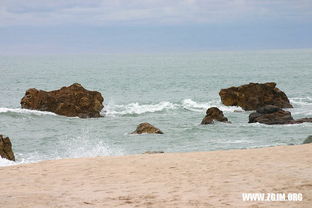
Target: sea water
<point x="170" y="91"/>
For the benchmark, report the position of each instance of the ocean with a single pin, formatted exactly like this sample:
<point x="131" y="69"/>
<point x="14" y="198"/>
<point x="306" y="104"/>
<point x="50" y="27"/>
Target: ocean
<point x="171" y="91"/>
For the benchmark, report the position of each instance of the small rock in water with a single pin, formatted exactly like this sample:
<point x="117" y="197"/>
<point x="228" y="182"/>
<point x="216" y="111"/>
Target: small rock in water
<point x="6" y="148"/>
<point x="214" y="114"/>
<point x="147" y="128"/>
<point x="153" y="152"/>
<point x="271" y="114"/>
<point x="308" y="140"/>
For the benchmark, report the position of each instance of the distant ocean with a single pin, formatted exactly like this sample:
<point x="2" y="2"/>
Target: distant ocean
<point x="170" y="91"/>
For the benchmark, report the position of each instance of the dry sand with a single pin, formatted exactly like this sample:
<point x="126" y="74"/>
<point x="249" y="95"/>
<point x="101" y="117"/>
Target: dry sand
<point x="208" y="179"/>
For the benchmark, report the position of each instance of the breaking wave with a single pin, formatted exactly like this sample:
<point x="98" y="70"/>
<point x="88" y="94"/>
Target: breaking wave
<point x="186" y="104"/>
<point x="5" y="162"/>
<point x="16" y="111"/>
<point x="307" y="101"/>
<point x="302" y="106"/>
<point x="191" y="105"/>
<point x="80" y="146"/>
<point x="136" y="108"/>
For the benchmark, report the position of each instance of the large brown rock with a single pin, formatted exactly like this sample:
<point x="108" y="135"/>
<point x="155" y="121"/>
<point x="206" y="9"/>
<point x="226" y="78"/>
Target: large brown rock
<point x="147" y="128"/>
<point x="69" y="101"/>
<point x="271" y="114"/>
<point x="6" y="148"/>
<point x="214" y="114"/>
<point x="254" y="95"/>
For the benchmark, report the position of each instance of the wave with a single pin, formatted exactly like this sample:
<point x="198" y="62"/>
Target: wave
<point x="186" y="104"/>
<point x="302" y="106"/>
<point x="136" y="108"/>
<point x="25" y="111"/>
<point x="5" y="162"/>
<point x="80" y="146"/>
<point x="85" y="146"/>
<point x="199" y="107"/>
<point x="306" y="101"/>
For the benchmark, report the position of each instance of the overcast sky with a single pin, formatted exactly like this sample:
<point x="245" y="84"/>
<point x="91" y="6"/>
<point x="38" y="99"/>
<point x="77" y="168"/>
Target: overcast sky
<point x="106" y="26"/>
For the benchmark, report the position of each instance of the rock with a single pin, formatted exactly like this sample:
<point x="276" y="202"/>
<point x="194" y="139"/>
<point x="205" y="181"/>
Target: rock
<point x="254" y="95"/>
<point x="214" y="114"/>
<point x="6" y="148"/>
<point x="279" y="117"/>
<point x="253" y="117"/>
<point x="268" y="109"/>
<point x="308" y="140"/>
<point x="69" y="101"/>
<point x="271" y="114"/>
<point x="302" y="120"/>
<point x="146" y="128"/>
<point x="153" y="152"/>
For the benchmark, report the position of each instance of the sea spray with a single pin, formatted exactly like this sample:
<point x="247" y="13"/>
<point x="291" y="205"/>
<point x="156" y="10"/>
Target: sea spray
<point x="84" y="146"/>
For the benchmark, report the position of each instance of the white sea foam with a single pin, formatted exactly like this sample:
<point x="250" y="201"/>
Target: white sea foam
<point x="136" y="108"/>
<point x="195" y="106"/>
<point x="5" y="162"/>
<point x="84" y="146"/>
<point x="306" y="101"/>
<point x="68" y="147"/>
<point x="25" y="111"/>
<point x="302" y="106"/>
<point x="187" y="104"/>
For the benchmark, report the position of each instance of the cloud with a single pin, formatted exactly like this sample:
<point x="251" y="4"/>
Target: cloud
<point x="110" y="12"/>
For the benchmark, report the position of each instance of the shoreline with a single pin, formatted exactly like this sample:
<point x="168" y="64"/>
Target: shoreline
<point x="191" y="179"/>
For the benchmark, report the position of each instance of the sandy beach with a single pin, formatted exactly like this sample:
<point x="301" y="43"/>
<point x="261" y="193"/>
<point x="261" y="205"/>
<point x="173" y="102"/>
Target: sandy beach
<point x="204" y="179"/>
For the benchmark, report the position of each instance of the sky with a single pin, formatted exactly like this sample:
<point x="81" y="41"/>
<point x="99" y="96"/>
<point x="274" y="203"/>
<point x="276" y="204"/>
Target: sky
<point x="136" y="26"/>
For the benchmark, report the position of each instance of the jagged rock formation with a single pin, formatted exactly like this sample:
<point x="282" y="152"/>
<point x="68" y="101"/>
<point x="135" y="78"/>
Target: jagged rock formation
<point x="69" y="101"/>
<point x="6" y="148"/>
<point x="254" y="95"/>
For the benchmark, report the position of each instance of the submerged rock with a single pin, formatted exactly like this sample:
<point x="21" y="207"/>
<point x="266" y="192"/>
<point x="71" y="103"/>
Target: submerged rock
<point x="271" y="114"/>
<point x="302" y="120"/>
<point x="254" y="95"/>
<point x="146" y="128"/>
<point x="308" y="140"/>
<point x="153" y="152"/>
<point x="214" y="114"/>
<point x="6" y="148"/>
<point x="69" y="101"/>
